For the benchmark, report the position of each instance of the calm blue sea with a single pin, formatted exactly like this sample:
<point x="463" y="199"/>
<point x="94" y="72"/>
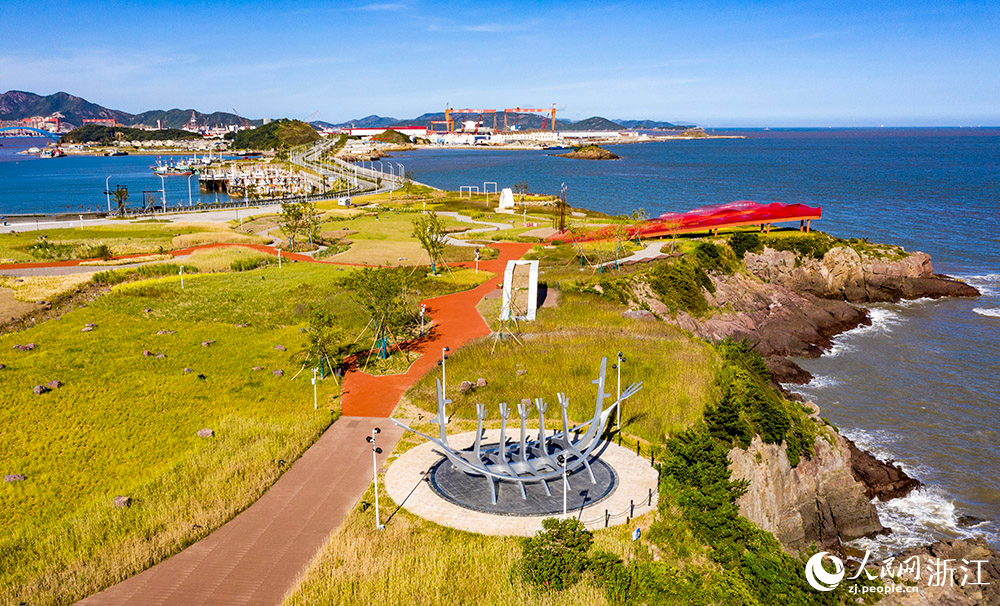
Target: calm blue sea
<point x="922" y="384"/>
<point x="29" y="184"/>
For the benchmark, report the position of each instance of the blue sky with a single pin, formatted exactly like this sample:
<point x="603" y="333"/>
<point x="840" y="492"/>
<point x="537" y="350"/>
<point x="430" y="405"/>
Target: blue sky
<point x="715" y="64"/>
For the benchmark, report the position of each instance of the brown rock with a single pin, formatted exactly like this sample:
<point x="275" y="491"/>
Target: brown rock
<point x="121" y="502"/>
<point x="882" y="479"/>
<point x="206" y="343"/>
<point x="258" y="368"/>
<point x="14" y="477"/>
<point x="465" y="387"/>
<point x="521" y="372"/>
<point x="637" y="314"/>
<point x="187" y="371"/>
<point x="146" y="353"/>
<point x="87" y="329"/>
<point x="25" y="347"/>
<point x="280" y="347"/>
<point x="55" y="384"/>
<point x="40" y="389"/>
<point x="278" y="373"/>
<point x="819" y="501"/>
<point x="205" y="433"/>
<point x="161" y="355"/>
<point x="480" y="382"/>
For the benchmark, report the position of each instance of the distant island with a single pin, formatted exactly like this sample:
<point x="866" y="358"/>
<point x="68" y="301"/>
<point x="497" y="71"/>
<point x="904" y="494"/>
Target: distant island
<point x="589" y="152"/>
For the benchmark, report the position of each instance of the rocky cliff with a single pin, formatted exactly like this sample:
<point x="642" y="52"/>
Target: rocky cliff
<point x="843" y="273"/>
<point x="817" y="502"/>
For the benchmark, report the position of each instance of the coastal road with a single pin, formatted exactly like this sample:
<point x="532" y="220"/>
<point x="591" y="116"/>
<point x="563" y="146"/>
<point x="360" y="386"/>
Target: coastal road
<point x="18" y="224"/>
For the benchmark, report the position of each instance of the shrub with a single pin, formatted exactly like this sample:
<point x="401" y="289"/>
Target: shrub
<point x="711" y="257"/>
<point x="95" y="251"/>
<point x="249" y="263"/>
<point x="43" y="249"/>
<point x="678" y="285"/>
<point x="813" y="245"/>
<point x="744" y="242"/>
<point x="556" y="556"/>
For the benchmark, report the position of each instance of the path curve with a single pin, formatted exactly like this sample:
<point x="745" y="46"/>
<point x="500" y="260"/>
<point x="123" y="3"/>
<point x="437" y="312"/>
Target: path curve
<point x="260" y="555"/>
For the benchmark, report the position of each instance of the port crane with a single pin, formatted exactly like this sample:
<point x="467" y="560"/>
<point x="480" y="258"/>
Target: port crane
<point x="533" y="110"/>
<point x="243" y="120"/>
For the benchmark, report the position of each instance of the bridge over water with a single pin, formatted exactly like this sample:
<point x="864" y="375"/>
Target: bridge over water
<point x="29" y="132"/>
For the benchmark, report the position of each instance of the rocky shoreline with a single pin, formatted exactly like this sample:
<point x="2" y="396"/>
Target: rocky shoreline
<point x="789" y="304"/>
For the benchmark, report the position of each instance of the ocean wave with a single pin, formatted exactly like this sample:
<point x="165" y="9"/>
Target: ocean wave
<point x="993" y="312"/>
<point x="820" y="382"/>
<point x="987" y="284"/>
<point x="923" y="516"/>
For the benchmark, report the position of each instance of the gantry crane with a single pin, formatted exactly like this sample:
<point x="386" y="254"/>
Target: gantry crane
<point x="533" y="110"/>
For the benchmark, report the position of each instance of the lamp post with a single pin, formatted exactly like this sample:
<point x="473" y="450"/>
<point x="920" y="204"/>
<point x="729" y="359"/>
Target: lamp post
<point x="423" y="308"/>
<point x="315" y="396"/>
<point x="163" y="190"/>
<point x="561" y="459"/>
<point x="279" y="258"/>
<point x="107" y="191"/>
<point x="477" y="261"/>
<point x="444" y="382"/>
<point x="375" y="451"/>
<point x="618" y="409"/>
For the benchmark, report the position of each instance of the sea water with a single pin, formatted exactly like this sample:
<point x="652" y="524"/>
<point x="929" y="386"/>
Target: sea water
<point x="921" y="385"/>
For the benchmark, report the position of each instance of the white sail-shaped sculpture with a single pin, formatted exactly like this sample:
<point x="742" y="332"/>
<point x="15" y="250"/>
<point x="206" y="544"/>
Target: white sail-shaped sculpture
<point x="530" y="460"/>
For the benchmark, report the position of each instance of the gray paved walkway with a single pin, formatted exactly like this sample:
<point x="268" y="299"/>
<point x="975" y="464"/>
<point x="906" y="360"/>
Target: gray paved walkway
<point x="257" y="556"/>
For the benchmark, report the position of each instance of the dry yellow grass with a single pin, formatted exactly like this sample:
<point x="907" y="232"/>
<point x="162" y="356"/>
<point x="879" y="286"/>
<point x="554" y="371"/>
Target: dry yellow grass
<point x="414" y="563"/>
<point x="215" y="237"/>
<point x="142" y="259"/>
<point x="220" y="259"/>
<point x="10" y="307"/>
<point x="382" y="252"/>
<point x="43" y="288"/>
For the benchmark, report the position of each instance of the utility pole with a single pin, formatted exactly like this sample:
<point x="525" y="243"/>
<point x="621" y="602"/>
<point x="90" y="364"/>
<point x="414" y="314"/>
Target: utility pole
<point x="375" y="451"/>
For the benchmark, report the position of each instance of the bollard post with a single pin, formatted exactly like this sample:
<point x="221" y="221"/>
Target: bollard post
<point x="607" y="518"/>
<point x="631" y="508"/>
<point x="637" y="447"/>
<point x="649" y="503"/>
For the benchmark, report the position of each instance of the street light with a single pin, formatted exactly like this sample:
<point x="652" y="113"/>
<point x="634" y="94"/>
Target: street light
<point x="561" y="459"/>
<point x="107" y="191"/>
<point x="315" y="397"/>
<point x="618" y="409"/>
<point x="423" y="308"/>
<point x="375" y="451"/>
<point x="163" y="190"/>
<point x="444" y="383"/>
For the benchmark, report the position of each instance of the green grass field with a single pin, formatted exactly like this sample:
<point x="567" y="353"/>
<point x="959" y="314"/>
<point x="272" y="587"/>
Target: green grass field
<point x="124" y="424"/>
<point x="124" y="239"/>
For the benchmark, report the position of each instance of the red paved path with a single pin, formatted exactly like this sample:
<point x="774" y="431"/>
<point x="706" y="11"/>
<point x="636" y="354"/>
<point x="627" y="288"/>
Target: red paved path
<point x="258" y="556"/>
<point x="456" y="322"/>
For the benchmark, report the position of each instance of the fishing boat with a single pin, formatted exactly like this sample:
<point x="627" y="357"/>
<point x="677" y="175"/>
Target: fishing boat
<point x="55" y="152"/>
<point x="116" y="152"/>
<point x="165" y="169"/>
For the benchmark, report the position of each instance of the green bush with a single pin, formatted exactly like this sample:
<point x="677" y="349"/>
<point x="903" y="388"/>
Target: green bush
<point x="744" y="242"/>
<point x="43" y="249"/>
<point x="556" y="556"/>
<point x="814" y="245"/>
<point x="711" y="257"/>
<point x="678" y="285"/>
<point x="95" y="251"/>
<point x="249" y="263"/>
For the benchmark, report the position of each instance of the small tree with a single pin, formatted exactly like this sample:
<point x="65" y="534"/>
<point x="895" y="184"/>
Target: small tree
<point x="380" y="293"/>
<point x="556" y="556"/>
<point x="521" y="189"/>
<point x="299" y="218"/>
<point x="121" y="199"/>
<point x="326" y="337"/>
<point x="428" y="229"/>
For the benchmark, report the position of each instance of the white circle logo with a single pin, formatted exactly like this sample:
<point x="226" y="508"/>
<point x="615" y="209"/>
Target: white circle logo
<point x="818" y="577"/>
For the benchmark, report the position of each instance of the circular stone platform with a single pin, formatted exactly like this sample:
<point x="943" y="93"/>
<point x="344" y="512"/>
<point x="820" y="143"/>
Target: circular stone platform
<point x="473" y="492"/>
<point x="426" y="485"/>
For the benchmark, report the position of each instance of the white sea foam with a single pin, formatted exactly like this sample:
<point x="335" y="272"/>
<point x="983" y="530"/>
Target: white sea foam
<point x="923" y="516"/>
<point x="987" y="284"/>
<point x="993" y="312"/>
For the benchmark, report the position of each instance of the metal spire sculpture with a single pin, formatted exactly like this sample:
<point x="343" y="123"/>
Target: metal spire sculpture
<point x="530" y="460"/>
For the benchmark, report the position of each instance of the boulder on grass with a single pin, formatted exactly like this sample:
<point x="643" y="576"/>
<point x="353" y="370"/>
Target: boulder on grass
<point x="146" y="353"/>
<point x="465" y="387"/>
<point x="56" y="384"/>
<point x="161" y="355"/>
<point x="188" y="370"/>
<point x="278" y="373"/>
<point x="121" y="502"/>
<point x="206" y="343"/>
<point x="480" y="382"/>
<point x="521" y="372"/>
<point x="87" y="329"/>
<point x="13" y="477"/>
<point x="258" y="368"/>
<point x="280" y="347"/>
<point x="205" y="433"/>
<point x="638" y="314"/>
<point x="40" y="389"/>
